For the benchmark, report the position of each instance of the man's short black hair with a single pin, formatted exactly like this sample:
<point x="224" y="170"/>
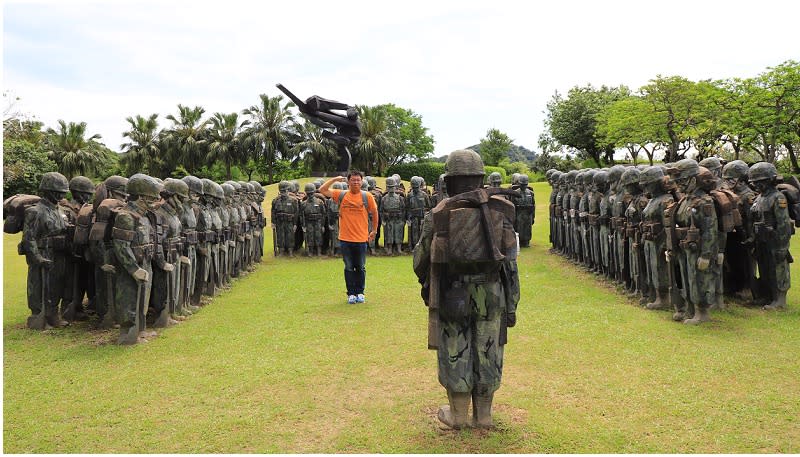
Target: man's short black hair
<point x="354" y="172"/>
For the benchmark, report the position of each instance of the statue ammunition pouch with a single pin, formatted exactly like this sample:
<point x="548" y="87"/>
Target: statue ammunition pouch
<point x="455" y="304"/>
<point x="174" y="245"/>
<point x="14" y="211"/>
<point x="669" y="226"/>
<point x="689" y="237"/>
<point x="53" y="242"/>
<point x="583" y="217"/>
<point x="473" y="233"/>
<point x="630" y="231"/>
<point x="763" y="231"/>
<point x="208" y="236"/>
<point x="593" y="220"/>
<point x="619" y="223"/>
<point x="285" y="217"/>
<point x="726" y="204"/>
<point x="123" y="235"/>
<point x="652" y="230"/>
<point x="603" y="220"/>
<point x="143" y="252"/>
<point x="190" y="237"/>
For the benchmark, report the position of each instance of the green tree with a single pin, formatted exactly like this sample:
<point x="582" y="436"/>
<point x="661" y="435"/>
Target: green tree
<point x="25" y="157"/>
<point x="319" y="153"/>
<point x="143" y="151"/>
<point x="376" y="145"/>
<point x="224" y="140"/>
<point x="632" y="123"/>
<point x="267" y="138"/>
<point x="572" y="121"/>
<point x="413" y="142"/>
<point x="680" y="105"/>
<point x="494" y="147"/>
<point x="186" y="138"/>
<point x="73" y="153"/>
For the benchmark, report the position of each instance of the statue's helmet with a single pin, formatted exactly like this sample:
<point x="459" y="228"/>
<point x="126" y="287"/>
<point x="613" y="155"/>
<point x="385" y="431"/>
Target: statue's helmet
<point x="283" y="186"/>
<point x="81" y="184"/>
<point x="177" y="187"/>
<point x="571" y="175"/>
<point x="631" y="176"/>
<point x="463" y="162"/>
<point x="54" y="181"/>
<point x="523" y="180"/>
<point x="685" y="168"/>
<point x="391" y="183"/>
<point x="555" y="176"/>
<point x="416" y="182"/>
<point x="762" y="171"/>
<point x="711" y="163"/>
<point x="194" y="183"/>
<point x="600" y="178"/>
<point x="705" y="179"/>
<point x="117" y="184"/>
<point x="258" y="188"/>
<point x="228" y="189"/>
<point x="650" y="175"/>
<point x="736" y="169"/>
<point x="310" y="188"/>
<point x="142" y="185"/>
<point x="514" y="178"/>
<point x="495" y="179"/>
<point x="588" y="176"/>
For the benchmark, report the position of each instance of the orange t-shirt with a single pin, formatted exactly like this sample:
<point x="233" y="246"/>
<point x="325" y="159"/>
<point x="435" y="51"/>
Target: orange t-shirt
<point x="353" y="217"/>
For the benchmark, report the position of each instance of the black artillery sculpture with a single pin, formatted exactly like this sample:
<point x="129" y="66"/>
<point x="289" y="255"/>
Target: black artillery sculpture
<point x="342" y="129"/>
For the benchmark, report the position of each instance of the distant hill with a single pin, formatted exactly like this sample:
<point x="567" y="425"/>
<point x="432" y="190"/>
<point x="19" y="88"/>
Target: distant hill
<point x="515" y="154"/>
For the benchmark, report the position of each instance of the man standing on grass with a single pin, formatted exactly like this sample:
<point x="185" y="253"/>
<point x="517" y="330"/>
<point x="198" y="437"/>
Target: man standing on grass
<point x="355" y="207"/>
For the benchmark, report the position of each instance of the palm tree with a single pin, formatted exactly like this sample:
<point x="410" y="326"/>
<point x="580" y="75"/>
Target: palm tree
<point x="144" y="149"/>
<point x="375" y="145"/>
<point x="186" y="138"/>
<point x="72" y="153"/>
<point x="224" y="137"/>
<point x="318" y="152"/>
<point x="268" y="134"/>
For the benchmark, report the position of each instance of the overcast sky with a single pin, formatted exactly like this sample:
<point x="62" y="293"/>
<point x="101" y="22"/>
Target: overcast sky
<point x="464" y="66"/>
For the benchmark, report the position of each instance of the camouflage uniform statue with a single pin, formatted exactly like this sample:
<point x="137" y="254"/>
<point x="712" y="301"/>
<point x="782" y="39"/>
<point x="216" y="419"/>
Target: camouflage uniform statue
<point x="560" y="212"/>
<point x="652" y="181"/>
<point x="603" y="221"/>
<point x="212" y="195"/>
<point x="205" y="236"/>
<point x="190" y="237"/>
<point x="133" y="241"/>
<point x="633" y="216"/>
<point x="714" y="166"/>
<point x="552" y="179"/>
<point x="230" y="231"/>
<point x="167" y="265"/>
<point x="312" y="218"/>
<point x="525" y="206"/>
<point x="696" y="234"/>
<point x="739" y="266"/>
<point x="79" y="275"/>
<point x="258" y="230"/>
<point x="439" y="191"/>
<point x="417" y="204"/>
<point x="773" y="229"/>
<point x="285" y="214"/>
<point x="44" y="245"/>
<point x="377" y="194"/>
<point x="495" y="179"/>
<point x="587" y="183"/>
<point x="621" y="202"/>
<point x="575" y="196"/>
<point x="392" y="214"/>
<point x="471" y="294"/>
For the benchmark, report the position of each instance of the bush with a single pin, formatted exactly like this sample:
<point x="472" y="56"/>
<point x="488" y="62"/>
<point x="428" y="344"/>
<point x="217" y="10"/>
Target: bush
<point x="23" y="167"/>
<point x="501" y="170"/>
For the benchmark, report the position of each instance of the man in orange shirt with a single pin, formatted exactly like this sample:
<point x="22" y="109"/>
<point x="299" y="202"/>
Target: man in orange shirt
<point x="355" y="206"/>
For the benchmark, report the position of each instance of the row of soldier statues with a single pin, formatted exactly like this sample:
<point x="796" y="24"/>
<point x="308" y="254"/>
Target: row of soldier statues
<point x="312" y="219"/>
<point x="135" y="244"/>
<point x="682" y="235"/>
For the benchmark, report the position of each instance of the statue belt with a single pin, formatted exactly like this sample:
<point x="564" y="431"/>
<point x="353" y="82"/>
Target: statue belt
<point x="478" y="278"/>
<point x="190" y="236"/>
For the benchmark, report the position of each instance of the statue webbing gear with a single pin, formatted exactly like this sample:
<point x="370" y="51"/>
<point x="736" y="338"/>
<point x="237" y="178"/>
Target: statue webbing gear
<point x="14" y="211"/>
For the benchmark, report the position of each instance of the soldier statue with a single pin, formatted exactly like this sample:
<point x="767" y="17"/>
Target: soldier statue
<point x="417" y="204"/>
<point x="79" y="275"/>
<point x="168" y="265"/>
<point x="133" y="240"/>
<point x="439" y="191"/>
<point x="525" y="206"/>
<point x="285" y="214"/>
<point x="312" y="218"/>
<point x="739" y="271"/>
<point x="495" y="179"/>
<point x="471" y="294"/>
<point x="332" y="217"/>
<point x="392" y="214"/>
<point x="377" y="194"/>
<point x="696" y="236"/>
<point x="653" y="181"/>
<point x="44" y="244"/>
<point x="772" y="229"/>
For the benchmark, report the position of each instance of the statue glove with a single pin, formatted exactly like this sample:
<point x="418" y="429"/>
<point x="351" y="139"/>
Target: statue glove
<point x="140" y="275"/>
<point x="44" y="262"/>
<point x="703" y="263"/>
<point x="511" y="319"/>
<point x="185" y="260"/>
<point x="108" y="268"/>
<point x="720" y="258"/>
<point x="168" y="267"/>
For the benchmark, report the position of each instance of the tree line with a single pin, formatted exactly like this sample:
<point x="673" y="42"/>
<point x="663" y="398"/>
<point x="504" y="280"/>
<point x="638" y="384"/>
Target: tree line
<point x="267" y="139"/>
<point x="752" y="119"/>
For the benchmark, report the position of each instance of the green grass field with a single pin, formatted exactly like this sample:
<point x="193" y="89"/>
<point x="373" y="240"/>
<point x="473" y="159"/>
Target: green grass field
<point x="281" y="364"/>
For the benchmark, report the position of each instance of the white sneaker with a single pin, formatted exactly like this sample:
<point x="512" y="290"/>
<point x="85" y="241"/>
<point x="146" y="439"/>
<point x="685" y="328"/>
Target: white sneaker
<point x="360" y="298"/>
<point x="351" y="299"/>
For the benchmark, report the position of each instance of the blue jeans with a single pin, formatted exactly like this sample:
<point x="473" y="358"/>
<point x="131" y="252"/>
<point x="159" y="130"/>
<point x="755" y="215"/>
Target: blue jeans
<point x="355" y="271"/>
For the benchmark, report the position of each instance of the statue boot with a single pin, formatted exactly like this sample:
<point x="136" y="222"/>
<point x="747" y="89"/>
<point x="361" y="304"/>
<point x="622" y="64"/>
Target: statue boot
<point x="454" y="415"/>
<point x="164" y="320"/>
<point x="778" y="303"/>
<point x="661" y="301"/>
<point x="700" y="315"/>
<point x="482" y="410"/>
<point x="53" y="319"/>
<point x="719" y="302"/>
<point x="129" y="336"/>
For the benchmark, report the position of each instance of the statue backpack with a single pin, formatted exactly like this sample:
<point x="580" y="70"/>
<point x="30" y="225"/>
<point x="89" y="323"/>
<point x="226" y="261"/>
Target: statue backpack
<point x="473" y="233"/>
<point x="791" y="190"/>
<point x="726" y="204"/>
<point x="104" y="219"/>
<point x="14" y="211"/>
